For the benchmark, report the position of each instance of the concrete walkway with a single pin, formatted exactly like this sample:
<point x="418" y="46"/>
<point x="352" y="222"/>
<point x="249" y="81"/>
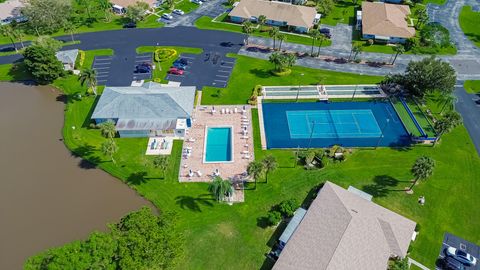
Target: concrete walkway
<point x="421" y="266"/>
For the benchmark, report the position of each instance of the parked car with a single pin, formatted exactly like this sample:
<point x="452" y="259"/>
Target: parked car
<point x="326" y="32"/>
<point x="196" y="2"/>
<point x="175" y="71"/>
<point x="181" y="61"/>
<point x="167" y="16"/>
<point x="130" y="25"/>
<point x="178" y="11"/>
<point x="452" y="264"/>
<point x="179" y="65"/>
<point x="142" y="69"/>
<point x="461" y="256"/>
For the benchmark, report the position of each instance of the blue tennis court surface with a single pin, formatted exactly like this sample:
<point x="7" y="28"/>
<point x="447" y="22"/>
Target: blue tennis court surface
<point x="322" y="124"/>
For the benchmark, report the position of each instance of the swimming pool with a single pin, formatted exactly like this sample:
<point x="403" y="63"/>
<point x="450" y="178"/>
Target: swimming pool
<point x="218" y="145"/>
<point x="323" y="124"/>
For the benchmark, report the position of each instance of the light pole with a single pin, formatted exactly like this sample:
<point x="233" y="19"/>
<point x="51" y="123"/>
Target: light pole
<point x="381" y="135"/>
<point x="298" y="89"/>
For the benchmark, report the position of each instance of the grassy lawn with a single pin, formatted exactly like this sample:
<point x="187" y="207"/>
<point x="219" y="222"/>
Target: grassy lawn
<point x="206" y="22"/>
<point x="343" y="12"/>
<point x="469" y="23"/>
<point x="472" y="87"/>
<point x="249" y="72"/>
<point x="405" y="117"/>
<point x="14" y="72"/>
<point x="161" y="68"/>
<point x="438" y="2"/>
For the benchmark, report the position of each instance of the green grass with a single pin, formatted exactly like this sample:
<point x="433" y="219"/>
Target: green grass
<point x="206" y="22"/>
<point x="249" y="72"/>
<point x="405" y="117"/>
<point x="186" y="6"/>
<point x="14" y="72"/>
<point x="161" y="68"/>
<point x="472" y="87"/>
<point x="469" y="23"/>
<point x="422" y="119"/>
<point x="438" y="2"/>
<point x="343" y="12"/>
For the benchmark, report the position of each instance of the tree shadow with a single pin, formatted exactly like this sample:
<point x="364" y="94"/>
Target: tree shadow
<point x="193" y="204"/>
<point x="83" y="151"/>
<point x="381" y="186"/>
<point x="260" y="73"/>
<point x="62" y="98"/>
<point x="88" y="119"/>
<point x="137" y="178"/>
<point x="267" y="264"/>
<point x="89" y="164"/>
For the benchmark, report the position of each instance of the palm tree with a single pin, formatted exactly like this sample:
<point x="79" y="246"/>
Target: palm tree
<point x="281" y="38"/>
<point x="247" y="28"/>
<point x="274" y="58"/>
<point x="109" y="148"/>
<point x="422" y="16"/>
<point x="356" y="49"/>
<point x="220" y="188"/>
<point x="314" y="34"/>
<point x="290" y="59"/>
<point x="447" y="123"/>
<point x="171" y="4"/>
<point x="274" y="34"/>
<point x="269" y="165"/>
<point x="398" y="49"/>
<point x="255" y="170"/>
<point x="89" y="77"/>
<point x="19" y="35"/>
<point x="161" y="162"/>
<point x="422" y="169"/>
<point x="322" y="38"/>
<point x="69" y="27"/>
<point x="7" y="31"/>
<point x="108" y="129"/>
<point x="262" y="19"/>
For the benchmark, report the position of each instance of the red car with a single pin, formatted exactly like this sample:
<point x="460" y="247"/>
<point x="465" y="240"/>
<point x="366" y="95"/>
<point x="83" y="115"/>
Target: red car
<point x="175" y="71"/>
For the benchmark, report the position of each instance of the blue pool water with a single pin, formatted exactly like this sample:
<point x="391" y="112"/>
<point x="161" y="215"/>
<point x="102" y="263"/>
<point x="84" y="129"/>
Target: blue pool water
<point x="218" y="144"/>
<point x="323" y="124"/>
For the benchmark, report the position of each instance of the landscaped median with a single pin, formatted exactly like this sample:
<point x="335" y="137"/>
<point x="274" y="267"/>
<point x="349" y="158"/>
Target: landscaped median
<point x="220" y="23"/>
<point x="472" y="87"/>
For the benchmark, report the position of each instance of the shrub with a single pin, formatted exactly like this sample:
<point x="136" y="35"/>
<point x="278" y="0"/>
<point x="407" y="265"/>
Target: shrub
<point x="282" y="73"/>
<point x="309" y="157"/>
<point x="164" y="54"/>
<point x="257" y="91"/>
<point x="273" y="218"/>
<point x="80" y="59"/>
<point x="287" y="208"/>
<point x="417" y="227"/>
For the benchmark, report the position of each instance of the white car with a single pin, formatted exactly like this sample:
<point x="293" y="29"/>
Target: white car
<point x="178" y="11"/>
<point x="461" y="256"/>
<point x="167" y="16"/>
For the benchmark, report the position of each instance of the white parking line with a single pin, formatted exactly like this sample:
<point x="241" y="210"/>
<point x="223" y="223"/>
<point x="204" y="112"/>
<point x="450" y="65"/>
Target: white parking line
<point x="104" y="63"/>
<point x="187" y="57"/>
<point x="223" y="76"/>
<point x="220" y="81"/>
<point x="226" y="71"/>
<point x="175" y="76"/>
<point x="96" y="68"/>
<point x="103" y="59"/>
<point x="225" y="67"/>
<point x="102" y="76"/>
<point x="229" y="62"/>
<point x="143" y="57"/>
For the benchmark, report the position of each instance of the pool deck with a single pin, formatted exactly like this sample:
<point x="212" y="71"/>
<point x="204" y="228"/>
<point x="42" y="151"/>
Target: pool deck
<point x="195" y="143"/>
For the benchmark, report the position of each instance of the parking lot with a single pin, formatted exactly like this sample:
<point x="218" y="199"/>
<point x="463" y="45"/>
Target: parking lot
<point x="102" y="65"/>
<point x="450" y="240"/>
<point x="207" y="69"/>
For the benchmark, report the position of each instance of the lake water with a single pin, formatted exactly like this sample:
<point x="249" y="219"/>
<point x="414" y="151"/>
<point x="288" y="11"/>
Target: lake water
<point x="46" y="199"/>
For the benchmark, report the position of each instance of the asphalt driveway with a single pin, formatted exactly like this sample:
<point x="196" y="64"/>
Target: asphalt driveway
<point x="450" y="240"/>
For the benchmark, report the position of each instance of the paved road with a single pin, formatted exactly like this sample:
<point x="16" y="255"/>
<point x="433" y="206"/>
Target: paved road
<point x="470" y="112"/>
<point x="211" y="8"/>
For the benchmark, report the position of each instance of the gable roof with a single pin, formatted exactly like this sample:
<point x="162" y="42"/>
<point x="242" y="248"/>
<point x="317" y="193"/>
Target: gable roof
<point x="147" y="107"/>
<point x="342" y="230"/>
<point x="388" y="20"/>
<point x="67" y="57"/>
<point x="294" y="15"/>
<point x="127" y="3"/>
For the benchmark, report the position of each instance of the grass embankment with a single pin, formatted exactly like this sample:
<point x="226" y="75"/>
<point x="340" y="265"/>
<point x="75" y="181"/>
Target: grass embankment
<point x="161" y="68"/>
<point x="469" y="23"/>
<point x="472" y="87"/>
<point x="206" y="22"/>
<point x="249" y="72"/>
<point x="220" y="232"/>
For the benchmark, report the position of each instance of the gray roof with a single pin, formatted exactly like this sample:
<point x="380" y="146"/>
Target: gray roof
<point x="342" y="230"/>
<point x="67" y="57"/>
<point x="146" y="107"/>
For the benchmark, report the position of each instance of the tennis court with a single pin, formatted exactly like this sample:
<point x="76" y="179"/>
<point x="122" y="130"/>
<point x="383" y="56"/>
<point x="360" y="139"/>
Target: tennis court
<point x="332" y="124"/>
<point x="323" y="124"/>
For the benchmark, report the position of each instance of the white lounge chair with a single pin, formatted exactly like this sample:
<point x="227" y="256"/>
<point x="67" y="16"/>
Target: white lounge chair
<point x="199" y="173"/>
<point x="235" y="110"/>
<point x="223" y="110"/>
<point x="245" y="137"/>
<point x="228" y="111"/>
<point x="244" y="117"/>
<point x="245" y="152"/>
<point x="190" y="173"/>
<point x="247" y="156"/>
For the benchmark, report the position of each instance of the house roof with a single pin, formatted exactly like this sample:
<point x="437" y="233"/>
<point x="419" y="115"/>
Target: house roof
<point x="11" y="8"/>
<point x="126" y="3"/>
<point x="294" y="15"/>
<point x="146" y="107"/>
<point x="67" y="57"/>
<point x="386" y="20"/>
<point x="342" y="230"/>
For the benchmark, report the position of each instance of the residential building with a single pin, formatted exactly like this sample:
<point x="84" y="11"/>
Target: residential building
<point x="147" y="110"/>
<point x="386" y="22"/>
<point x="10" y="10"/>
<point x="67" y="58"/>
<point x="343" y="230"/>
<point x="291" y="17"/>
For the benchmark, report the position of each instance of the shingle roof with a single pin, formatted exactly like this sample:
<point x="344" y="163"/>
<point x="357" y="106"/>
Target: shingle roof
<point x="147" y="107"/>
<point x="388" y="20"/>
<point x="294" y="15"/>
<point x="67" y="57"/>
<point x="343" y="231"/>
